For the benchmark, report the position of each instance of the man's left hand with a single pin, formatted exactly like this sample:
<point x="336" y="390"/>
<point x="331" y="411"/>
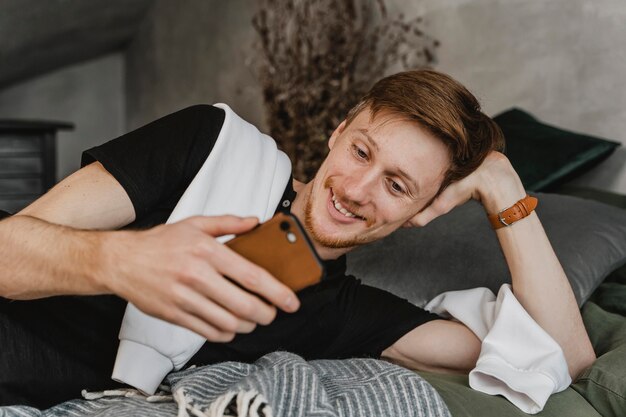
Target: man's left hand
<point x="495" y="184"/>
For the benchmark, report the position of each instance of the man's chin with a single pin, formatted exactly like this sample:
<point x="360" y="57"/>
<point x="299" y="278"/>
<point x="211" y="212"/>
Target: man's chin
<point x="333" y="241"/>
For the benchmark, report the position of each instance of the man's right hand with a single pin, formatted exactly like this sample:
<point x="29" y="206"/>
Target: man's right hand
<point x="176" y="272"/>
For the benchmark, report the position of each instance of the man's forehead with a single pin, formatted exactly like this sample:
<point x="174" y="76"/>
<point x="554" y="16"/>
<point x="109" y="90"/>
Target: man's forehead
<point x="412" y="150"/>
<point x="366" y="118"/>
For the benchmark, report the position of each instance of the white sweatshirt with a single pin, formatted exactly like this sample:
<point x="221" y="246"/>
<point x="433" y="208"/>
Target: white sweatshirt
<point x="518" y="359"/>
<point x="244" y="175"/>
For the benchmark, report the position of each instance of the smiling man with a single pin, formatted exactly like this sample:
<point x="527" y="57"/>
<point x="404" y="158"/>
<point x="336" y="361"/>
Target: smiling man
<point x="415" y="147"/>
<point x="380" y="171"/>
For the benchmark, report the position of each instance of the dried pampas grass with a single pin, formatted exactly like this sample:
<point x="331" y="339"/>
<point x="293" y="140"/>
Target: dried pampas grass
<point x="316" y="58"/>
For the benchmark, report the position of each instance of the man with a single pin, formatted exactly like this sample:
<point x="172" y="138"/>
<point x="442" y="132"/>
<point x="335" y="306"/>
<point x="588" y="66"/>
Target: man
<point x="414" y="148"/>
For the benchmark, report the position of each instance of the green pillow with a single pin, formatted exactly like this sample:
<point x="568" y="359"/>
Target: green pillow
<point x="603" y="384"/>
<point x="544" y="155"/>
<point x="462" y="401"/>
<point x="600" y="390"/>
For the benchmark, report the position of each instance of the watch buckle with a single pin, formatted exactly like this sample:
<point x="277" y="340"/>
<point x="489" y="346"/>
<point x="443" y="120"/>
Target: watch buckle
<point x="502" y="218"/>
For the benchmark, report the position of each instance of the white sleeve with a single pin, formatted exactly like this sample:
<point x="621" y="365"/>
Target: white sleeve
<point x="518" y="359"/>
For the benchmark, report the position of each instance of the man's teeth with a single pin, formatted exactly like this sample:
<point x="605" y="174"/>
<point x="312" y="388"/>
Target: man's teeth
<point x="342" y="209"/>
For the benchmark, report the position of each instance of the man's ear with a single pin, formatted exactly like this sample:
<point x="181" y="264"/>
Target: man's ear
<point x="336" y="133"/>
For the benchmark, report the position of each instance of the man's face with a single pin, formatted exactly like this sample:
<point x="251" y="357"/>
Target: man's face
<point x="378" y="174"/>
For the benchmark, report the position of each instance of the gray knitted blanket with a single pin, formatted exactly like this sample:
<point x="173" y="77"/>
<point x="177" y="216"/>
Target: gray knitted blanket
<point x="279" y="384"/>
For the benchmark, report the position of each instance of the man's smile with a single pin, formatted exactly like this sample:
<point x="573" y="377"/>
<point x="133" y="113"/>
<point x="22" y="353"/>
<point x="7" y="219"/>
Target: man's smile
<point x="339" y="212"/>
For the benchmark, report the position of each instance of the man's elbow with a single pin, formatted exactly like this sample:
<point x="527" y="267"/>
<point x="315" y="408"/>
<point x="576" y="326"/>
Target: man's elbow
<point x="582" y="361"/>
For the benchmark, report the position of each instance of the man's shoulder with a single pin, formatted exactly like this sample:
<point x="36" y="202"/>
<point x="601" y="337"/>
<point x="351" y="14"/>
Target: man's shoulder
<point x="204" y="111"/>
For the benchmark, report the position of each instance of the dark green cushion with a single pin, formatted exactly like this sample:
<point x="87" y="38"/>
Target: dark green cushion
<point x="545" y="156"/>
<point x="603" y="385"/>
<point x="600" y="390"/>
<point x="462" y="401"/>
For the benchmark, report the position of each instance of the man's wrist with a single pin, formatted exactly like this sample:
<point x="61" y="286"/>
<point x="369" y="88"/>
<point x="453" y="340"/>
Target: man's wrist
<point x="102" y="273"/>
<point x="500" y="192"/>
<point x="500" y="200"/>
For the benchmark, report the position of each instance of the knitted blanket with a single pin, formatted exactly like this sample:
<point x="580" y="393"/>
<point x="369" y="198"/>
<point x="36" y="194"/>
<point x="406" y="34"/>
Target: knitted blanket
<point x="278" y="384"/>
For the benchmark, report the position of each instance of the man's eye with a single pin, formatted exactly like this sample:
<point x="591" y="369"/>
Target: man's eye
<point x="360" y="153"/>
<point x="396" y="187"/>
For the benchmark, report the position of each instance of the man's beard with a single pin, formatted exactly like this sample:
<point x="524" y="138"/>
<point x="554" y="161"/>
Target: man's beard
<point x="329" y="242"/>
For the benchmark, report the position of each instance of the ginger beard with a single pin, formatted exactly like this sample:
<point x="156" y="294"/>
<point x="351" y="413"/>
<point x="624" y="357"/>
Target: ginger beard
<point x="329" y="241"/>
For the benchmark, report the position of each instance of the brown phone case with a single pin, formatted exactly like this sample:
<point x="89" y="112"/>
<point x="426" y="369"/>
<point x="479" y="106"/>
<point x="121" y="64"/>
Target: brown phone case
<point x="281" y="246"/>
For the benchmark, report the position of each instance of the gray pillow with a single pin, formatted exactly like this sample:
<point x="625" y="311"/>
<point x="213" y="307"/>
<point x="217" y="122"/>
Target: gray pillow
<point x="460" y="250"/>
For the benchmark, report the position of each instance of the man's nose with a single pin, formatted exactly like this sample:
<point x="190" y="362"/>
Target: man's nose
<point x="359" y="187"/>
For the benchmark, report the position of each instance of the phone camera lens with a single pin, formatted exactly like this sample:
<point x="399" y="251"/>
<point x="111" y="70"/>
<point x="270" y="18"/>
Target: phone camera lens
<point x="284" y="225"/>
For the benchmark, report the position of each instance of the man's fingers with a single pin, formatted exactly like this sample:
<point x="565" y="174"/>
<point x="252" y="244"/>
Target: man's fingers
<point x="202" y="328"/>
<point x="224" y="225"/>
<point x="210" y="312"/>
<point x="254" y="278"/>
<point x="451" y="197"/>
<point x="241" y="303"/>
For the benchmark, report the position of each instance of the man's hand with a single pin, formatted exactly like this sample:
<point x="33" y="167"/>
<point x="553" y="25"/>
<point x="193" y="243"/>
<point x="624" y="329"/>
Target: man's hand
<point x="176" y="272"/>
<point x="495" y="184"/>
<point x="538" y="280"/>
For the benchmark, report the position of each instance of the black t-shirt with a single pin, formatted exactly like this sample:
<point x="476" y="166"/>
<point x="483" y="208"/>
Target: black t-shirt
<point x="338" y="318"/>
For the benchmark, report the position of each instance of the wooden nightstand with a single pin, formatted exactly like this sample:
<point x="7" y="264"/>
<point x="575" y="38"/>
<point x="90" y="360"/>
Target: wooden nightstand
<point x="27" y="160"/>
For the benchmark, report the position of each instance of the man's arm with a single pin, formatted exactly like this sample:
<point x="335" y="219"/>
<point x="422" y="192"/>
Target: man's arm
<point x="42" y="256"/>
<point x="174" y="272"/>
<point x="538" y="280"/>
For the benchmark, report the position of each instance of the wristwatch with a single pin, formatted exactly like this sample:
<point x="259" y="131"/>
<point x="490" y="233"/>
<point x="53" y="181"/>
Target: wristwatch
<point x="512" y="214"/>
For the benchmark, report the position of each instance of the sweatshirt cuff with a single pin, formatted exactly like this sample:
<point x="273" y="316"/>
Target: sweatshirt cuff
<point x="527" y="389"/>
<point x="140" y="366"/>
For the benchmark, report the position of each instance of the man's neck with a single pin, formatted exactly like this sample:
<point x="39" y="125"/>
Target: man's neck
<point x="297" y="209"/>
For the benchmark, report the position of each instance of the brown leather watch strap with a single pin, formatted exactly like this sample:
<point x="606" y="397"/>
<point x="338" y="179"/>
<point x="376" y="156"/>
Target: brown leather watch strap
<point x="514" y="213"/>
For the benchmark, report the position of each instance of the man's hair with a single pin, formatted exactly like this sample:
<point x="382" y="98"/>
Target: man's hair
<point x="445" y="108"/>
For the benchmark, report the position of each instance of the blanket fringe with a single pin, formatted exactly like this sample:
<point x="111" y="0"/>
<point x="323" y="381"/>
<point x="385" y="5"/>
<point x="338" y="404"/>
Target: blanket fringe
<point x="163" y="395"/>
<point x="232" y="404"/>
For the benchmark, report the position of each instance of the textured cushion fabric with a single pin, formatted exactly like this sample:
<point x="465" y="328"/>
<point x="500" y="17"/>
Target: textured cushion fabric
<point x="600" y="390"/>
<point x="462" y="401"/>
<point x="603" y="384"/>
<point x="544" y="155"/>
<point x="460" y="250"/>
<point x="612" y="295"/>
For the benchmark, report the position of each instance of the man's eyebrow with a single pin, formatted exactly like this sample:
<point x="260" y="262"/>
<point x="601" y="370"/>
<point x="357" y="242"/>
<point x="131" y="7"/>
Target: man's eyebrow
<point x="369" y="138"/>
<point x="408" y="178"/>
<point x="401" y="172"/>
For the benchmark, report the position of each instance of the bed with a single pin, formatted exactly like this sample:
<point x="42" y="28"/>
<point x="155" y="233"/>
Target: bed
<point x="587" y="229"/>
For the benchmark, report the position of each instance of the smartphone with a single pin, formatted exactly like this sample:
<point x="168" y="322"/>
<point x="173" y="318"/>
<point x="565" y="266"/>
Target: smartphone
<point x="282" y="247"/>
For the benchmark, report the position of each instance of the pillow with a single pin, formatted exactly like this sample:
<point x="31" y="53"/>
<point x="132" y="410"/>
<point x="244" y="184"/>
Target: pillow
<point x="600" y="387"/>
<point x="546" y="156"/>
<point x="602" y="384"/>
<point x="463" y="401"/>
<point x="460" y="250"/>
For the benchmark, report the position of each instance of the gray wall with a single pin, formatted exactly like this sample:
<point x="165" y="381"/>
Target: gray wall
<point x="562" y="60"/>
<point x="196" y="53"/>
<point x="90" y="95"/>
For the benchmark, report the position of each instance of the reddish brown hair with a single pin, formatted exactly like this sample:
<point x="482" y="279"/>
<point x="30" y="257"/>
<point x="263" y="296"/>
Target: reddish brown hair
<point x="445" y="108"/>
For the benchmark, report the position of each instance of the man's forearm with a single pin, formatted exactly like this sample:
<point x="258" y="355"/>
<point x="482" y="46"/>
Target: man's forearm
<point x="539" y="282"/>
<point x="41" y="259"/>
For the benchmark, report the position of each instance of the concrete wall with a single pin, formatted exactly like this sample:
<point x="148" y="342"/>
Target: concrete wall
<point x="90" y="95"/>
<point x="562" y="60"/>
<point x="189" y="53"/>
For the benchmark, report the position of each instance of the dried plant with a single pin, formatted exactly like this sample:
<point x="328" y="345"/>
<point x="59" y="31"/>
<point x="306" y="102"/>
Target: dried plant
<point x="316" y="58"/>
